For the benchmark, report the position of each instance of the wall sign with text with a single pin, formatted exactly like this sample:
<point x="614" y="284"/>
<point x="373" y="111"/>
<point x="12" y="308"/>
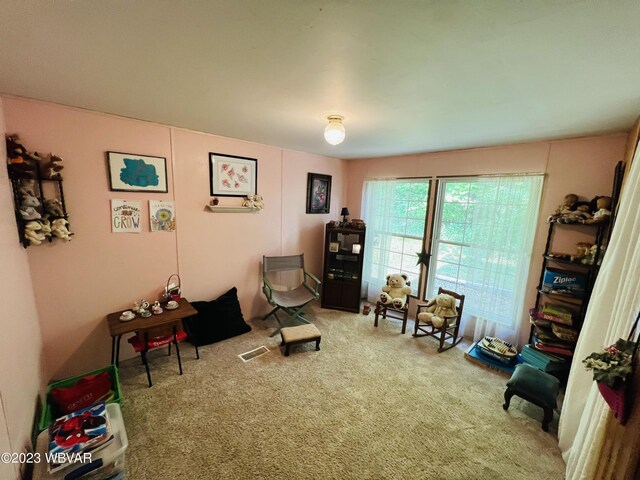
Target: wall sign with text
<point x="125" y="216"/>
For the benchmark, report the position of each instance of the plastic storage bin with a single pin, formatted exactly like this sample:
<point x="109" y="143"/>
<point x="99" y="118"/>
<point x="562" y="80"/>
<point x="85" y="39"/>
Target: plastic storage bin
<point x="107" y="463"/>
<point x="48" y="415"/>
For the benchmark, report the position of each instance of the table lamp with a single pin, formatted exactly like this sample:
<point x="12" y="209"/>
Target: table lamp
<point x="345" y="214"/>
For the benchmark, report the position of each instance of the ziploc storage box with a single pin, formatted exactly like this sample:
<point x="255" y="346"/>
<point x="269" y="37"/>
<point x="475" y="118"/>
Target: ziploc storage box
<point x="564" y="281"/>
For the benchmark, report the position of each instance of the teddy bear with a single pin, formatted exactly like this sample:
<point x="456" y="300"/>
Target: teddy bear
<point x="564" y="208"/>
<point x="53" y="168"/>
<point x="443" y="306"/>
<point x="258" y="202"/>
<point x="59" y="229"/>
<point x="249" y="202"/>
<point x="33" y="234"/>
<point x="53" y="206"/>
<point x="396" y="290"/>
<point x="601" y="207"/>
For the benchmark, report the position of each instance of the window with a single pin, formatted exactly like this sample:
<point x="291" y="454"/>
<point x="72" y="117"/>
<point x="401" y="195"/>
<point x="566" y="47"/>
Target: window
<point x="395" y="212"/>
<point x="483" y="236"/>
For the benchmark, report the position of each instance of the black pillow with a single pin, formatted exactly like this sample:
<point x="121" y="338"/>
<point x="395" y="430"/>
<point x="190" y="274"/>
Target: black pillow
<point x="216" y="320"/>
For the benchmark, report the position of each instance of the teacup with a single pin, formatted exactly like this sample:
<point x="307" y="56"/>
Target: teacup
<point x="172" y="304"/>
<point x="127" y="313"/>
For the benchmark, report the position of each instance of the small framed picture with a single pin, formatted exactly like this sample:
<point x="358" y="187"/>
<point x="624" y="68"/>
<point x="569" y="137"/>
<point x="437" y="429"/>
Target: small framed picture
<point x="318" y="193"/>
<point x="334" y="247"/>
<point x="232" y="176"/>
<point x="129" y="172"/>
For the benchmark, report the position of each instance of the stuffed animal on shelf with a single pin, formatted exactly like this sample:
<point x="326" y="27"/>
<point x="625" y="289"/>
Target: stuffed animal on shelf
<point x="32" y="232"/>
<point x="46" y="227"/>
<point x="59" y="229"/>
<point x="258" y="201"/>
<point x="601" y="210"/>
<point x="17" y="155"/>
<point x="249" y="202"/>
<point x="564" y="208"/>
<point x="53" y="207"/>
<point x="582" y="251"/>
<point x="53" y="168"/>
<point x="29" y="200"/>
<point x="396" y="290"/>
<point x="29" y="213"/>
<point x="580" y="214"/>
<point x="27" y="187"/>
<point x="440" y="308"/>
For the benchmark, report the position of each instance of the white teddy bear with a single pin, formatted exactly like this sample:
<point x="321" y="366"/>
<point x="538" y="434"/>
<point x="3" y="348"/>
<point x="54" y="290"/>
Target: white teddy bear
<point x="258" y="202"/>
<point x="396" y="290"/>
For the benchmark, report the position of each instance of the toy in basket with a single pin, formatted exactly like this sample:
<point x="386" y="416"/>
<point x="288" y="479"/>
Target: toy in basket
<point x="172" y="290"/>
<point x="497" y="349"/>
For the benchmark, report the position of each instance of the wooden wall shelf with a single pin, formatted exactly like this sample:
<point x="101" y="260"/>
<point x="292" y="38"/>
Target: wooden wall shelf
<point x="223" y="209"/>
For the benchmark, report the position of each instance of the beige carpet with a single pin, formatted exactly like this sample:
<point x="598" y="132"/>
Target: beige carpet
<point x="372" y="404"/>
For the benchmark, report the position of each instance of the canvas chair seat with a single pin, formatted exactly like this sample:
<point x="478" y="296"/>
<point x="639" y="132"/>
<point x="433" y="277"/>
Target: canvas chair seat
<point x="292" y="301"/>
<point x="292" y="298"/>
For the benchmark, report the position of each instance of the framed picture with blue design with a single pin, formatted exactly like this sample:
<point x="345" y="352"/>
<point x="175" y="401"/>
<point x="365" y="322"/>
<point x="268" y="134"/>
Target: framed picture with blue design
<point x="129" y="172"/>
<point x="318" y="193"/>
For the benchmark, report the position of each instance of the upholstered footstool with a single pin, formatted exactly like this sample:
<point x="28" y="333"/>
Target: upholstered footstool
<point x="299" y="334"/>
<point x="535" y="386"/>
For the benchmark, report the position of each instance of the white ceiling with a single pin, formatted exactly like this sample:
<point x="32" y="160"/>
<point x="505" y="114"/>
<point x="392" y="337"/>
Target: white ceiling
<point x="408" y="75"/>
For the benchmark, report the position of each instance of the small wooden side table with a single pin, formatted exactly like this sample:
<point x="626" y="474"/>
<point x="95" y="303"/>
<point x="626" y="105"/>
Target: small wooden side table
<point x="117" y="327"/>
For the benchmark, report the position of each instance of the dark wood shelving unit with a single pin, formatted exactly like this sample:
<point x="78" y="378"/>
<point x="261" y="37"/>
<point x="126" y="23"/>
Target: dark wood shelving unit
<point x="342" y="271"/>
<point x="575" y="302"/>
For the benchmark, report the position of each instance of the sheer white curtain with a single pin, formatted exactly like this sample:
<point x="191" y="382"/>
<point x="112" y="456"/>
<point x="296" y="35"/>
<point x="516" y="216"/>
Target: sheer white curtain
<point x="394" y="211"/>
<point x="485" y="253"/>
<point x="615" y="302"/>
<point x="378" y="200"/>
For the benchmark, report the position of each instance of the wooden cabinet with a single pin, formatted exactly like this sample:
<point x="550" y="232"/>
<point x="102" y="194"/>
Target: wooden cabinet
<point x="342" y="272"/>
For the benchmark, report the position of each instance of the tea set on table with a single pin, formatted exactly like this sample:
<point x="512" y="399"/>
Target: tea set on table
<point x="143" y="308"/>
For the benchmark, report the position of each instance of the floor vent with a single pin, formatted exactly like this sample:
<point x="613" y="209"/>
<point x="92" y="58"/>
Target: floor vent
<point x="256" y="352"/>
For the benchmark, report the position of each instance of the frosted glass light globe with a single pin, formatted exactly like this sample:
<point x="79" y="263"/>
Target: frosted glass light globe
<point x="334" y="132"/>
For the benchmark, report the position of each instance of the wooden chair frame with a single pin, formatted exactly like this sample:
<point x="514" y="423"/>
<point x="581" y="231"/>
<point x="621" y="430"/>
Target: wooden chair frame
<point x="449" y="330"/>
<point x="389" y="311"/>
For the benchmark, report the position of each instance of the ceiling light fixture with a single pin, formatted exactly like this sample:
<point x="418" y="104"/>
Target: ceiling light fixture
<point x="334" y="131"/>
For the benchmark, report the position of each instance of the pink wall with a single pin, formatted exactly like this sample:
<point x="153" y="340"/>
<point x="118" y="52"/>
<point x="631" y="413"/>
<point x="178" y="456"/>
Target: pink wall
<point x="20" y="342"/>
<point x="583" y="166"/>
<point x="98" y="272"/>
